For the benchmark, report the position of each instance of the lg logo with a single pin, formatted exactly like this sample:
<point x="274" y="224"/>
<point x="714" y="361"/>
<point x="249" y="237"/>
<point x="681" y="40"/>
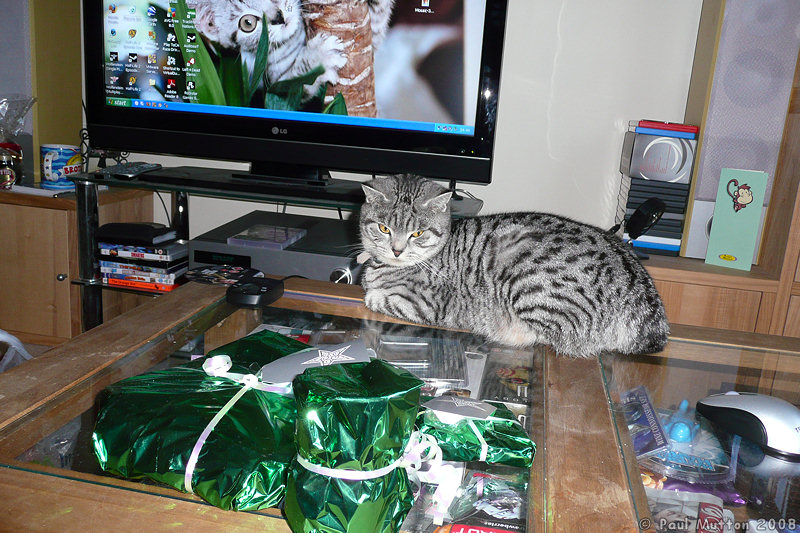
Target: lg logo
<point x="276" y="130"/>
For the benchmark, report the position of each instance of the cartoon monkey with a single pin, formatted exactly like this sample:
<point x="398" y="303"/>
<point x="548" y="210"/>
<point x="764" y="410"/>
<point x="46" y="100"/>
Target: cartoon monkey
<point x="742" y="195"/>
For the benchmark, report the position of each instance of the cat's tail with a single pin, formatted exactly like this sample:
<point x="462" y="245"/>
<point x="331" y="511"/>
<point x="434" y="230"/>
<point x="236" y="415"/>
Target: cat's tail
<point x="653" y="333"/>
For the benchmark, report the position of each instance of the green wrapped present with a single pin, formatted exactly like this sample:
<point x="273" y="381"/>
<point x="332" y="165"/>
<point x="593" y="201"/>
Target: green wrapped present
<point x="260" y="348"/>
<point x="207" y="427"/>
<point x="353" y="426"/>
<point x="472" y="430"/>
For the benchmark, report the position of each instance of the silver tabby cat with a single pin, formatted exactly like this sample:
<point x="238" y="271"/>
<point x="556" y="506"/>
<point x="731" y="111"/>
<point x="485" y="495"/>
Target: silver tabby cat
<point x="518" y="279"/>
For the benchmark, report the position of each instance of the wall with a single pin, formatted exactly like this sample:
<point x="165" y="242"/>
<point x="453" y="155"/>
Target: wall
<point x="575" y="72"/>
<point x="15" y="36"/>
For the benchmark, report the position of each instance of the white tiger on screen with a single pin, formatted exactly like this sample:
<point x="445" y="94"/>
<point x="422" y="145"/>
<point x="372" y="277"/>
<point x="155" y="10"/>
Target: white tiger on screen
<point x="236" y="25"/>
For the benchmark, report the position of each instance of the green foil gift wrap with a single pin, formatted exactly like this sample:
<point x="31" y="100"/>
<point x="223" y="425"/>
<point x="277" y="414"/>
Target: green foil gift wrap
<point x="354" y="422"/>
<point x="472" y="430"/>
<point x="260" y="348"/>
<point x="209" y="417"/>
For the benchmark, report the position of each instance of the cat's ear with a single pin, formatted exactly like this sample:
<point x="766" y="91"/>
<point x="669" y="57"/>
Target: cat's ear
<point x="374" y="196"/>
<point x="204" y="20"/>
<point x="439" y="202"/>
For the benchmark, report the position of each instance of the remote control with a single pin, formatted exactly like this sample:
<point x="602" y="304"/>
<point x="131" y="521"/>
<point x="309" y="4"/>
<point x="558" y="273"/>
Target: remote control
<point x="254" y="292"/>
<point x="127" y="171"/>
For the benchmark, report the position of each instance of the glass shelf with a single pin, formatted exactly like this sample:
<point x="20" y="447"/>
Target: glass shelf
<point x="225" y="184"/>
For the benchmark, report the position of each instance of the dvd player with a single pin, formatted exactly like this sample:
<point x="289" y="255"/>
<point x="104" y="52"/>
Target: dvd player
<point x="326" y="251"/>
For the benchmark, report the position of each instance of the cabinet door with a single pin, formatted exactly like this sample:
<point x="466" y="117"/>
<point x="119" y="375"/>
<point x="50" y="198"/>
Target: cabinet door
<point x="792" y="328"/>
<point x="714" y="307"/>
<point x="34" y="251"/>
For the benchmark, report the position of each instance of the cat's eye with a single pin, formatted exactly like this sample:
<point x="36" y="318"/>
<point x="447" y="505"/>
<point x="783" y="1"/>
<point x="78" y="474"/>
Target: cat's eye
<point x="384" y="229"/>
<point x="418" y="233"/>
<point x="248" y="23"/>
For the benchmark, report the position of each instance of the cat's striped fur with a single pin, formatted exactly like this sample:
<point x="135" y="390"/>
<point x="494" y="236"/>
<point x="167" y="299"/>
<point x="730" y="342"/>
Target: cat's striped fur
<point x="518" y="279"/>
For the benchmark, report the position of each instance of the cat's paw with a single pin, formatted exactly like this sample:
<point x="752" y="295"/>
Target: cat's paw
<point x="374" y="301"/>
<point x="328" y="51"/>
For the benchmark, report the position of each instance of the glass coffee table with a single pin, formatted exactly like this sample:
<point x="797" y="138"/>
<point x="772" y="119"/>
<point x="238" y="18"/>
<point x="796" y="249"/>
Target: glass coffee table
<point x="699" y="468"/>
<point x="585" y="475"/>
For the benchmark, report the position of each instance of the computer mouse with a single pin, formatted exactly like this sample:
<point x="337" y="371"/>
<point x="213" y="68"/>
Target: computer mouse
<point x="765" y="420"/>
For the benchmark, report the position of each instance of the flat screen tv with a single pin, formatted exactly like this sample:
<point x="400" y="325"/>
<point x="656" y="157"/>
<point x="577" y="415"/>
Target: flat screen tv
<point x="297" y="88"/>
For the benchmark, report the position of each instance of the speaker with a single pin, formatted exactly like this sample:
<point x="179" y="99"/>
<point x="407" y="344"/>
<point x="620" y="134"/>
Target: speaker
<point x="757" y="50"/>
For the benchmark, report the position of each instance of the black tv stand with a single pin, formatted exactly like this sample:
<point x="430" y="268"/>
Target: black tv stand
<point x="455" y="195"/>
<point x="294" y="175"/>
<point x="218" y="183"/>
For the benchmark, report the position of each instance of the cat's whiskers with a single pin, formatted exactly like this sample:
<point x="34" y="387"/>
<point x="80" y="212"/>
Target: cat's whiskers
<point x="425" y="265"/>
<point x="350" y="250"/>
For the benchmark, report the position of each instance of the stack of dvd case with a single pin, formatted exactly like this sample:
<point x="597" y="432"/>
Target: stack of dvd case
<point x="142" y="256"/>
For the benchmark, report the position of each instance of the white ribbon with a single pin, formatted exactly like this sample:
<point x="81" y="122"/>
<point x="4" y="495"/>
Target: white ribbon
<point x="484" y="444"/>
<point x="218" y="366"/>
<point x="421" y="448"/>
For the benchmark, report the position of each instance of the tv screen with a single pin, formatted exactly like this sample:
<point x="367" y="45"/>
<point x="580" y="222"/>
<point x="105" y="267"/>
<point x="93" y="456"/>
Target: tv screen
<point x="299" y="88"/>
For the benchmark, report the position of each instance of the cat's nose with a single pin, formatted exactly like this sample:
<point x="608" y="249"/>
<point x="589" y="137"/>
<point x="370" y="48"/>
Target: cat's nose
<point x="397" y="252"/>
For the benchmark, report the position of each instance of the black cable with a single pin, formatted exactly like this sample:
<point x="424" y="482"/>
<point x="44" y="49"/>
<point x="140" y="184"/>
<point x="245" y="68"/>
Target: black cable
<point x="293" y="276"/>
<point x="166" y="211"/>
<point x="85" y="148"/>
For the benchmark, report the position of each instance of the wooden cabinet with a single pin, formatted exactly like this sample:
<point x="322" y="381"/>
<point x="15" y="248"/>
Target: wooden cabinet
<point x="38" y="260"/>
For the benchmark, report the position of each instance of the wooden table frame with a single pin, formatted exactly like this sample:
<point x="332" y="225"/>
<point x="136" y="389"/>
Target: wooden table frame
<point x="580" y="481"/>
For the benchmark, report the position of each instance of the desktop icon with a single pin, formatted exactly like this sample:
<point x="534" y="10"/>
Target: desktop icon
<point x="133" y="58"/>
<point x="190" y="85"/>
<point x="171" y="38"/>
<point x="151" y="35"/>
<point x="132" y="80"/>
<point x="113" y="79"/>
<point x="152" y="59"/>
<point x="426" y="3"/>
<point x="151" y="11"/>
<point x="190" y="62"/>
<point x="191" y="37"/>
<point x="113" y="56"/>
<point x="132" y="33"/>
<point x="151" y="82"/>
<point x="171" y="83"/>
<point x="112" y="8"/>
<point x="113" y="32"/>
<point x="170" y="60"/>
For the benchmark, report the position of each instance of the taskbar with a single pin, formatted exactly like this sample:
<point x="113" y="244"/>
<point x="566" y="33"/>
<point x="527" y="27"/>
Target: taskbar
<point x="251" y="112"/>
